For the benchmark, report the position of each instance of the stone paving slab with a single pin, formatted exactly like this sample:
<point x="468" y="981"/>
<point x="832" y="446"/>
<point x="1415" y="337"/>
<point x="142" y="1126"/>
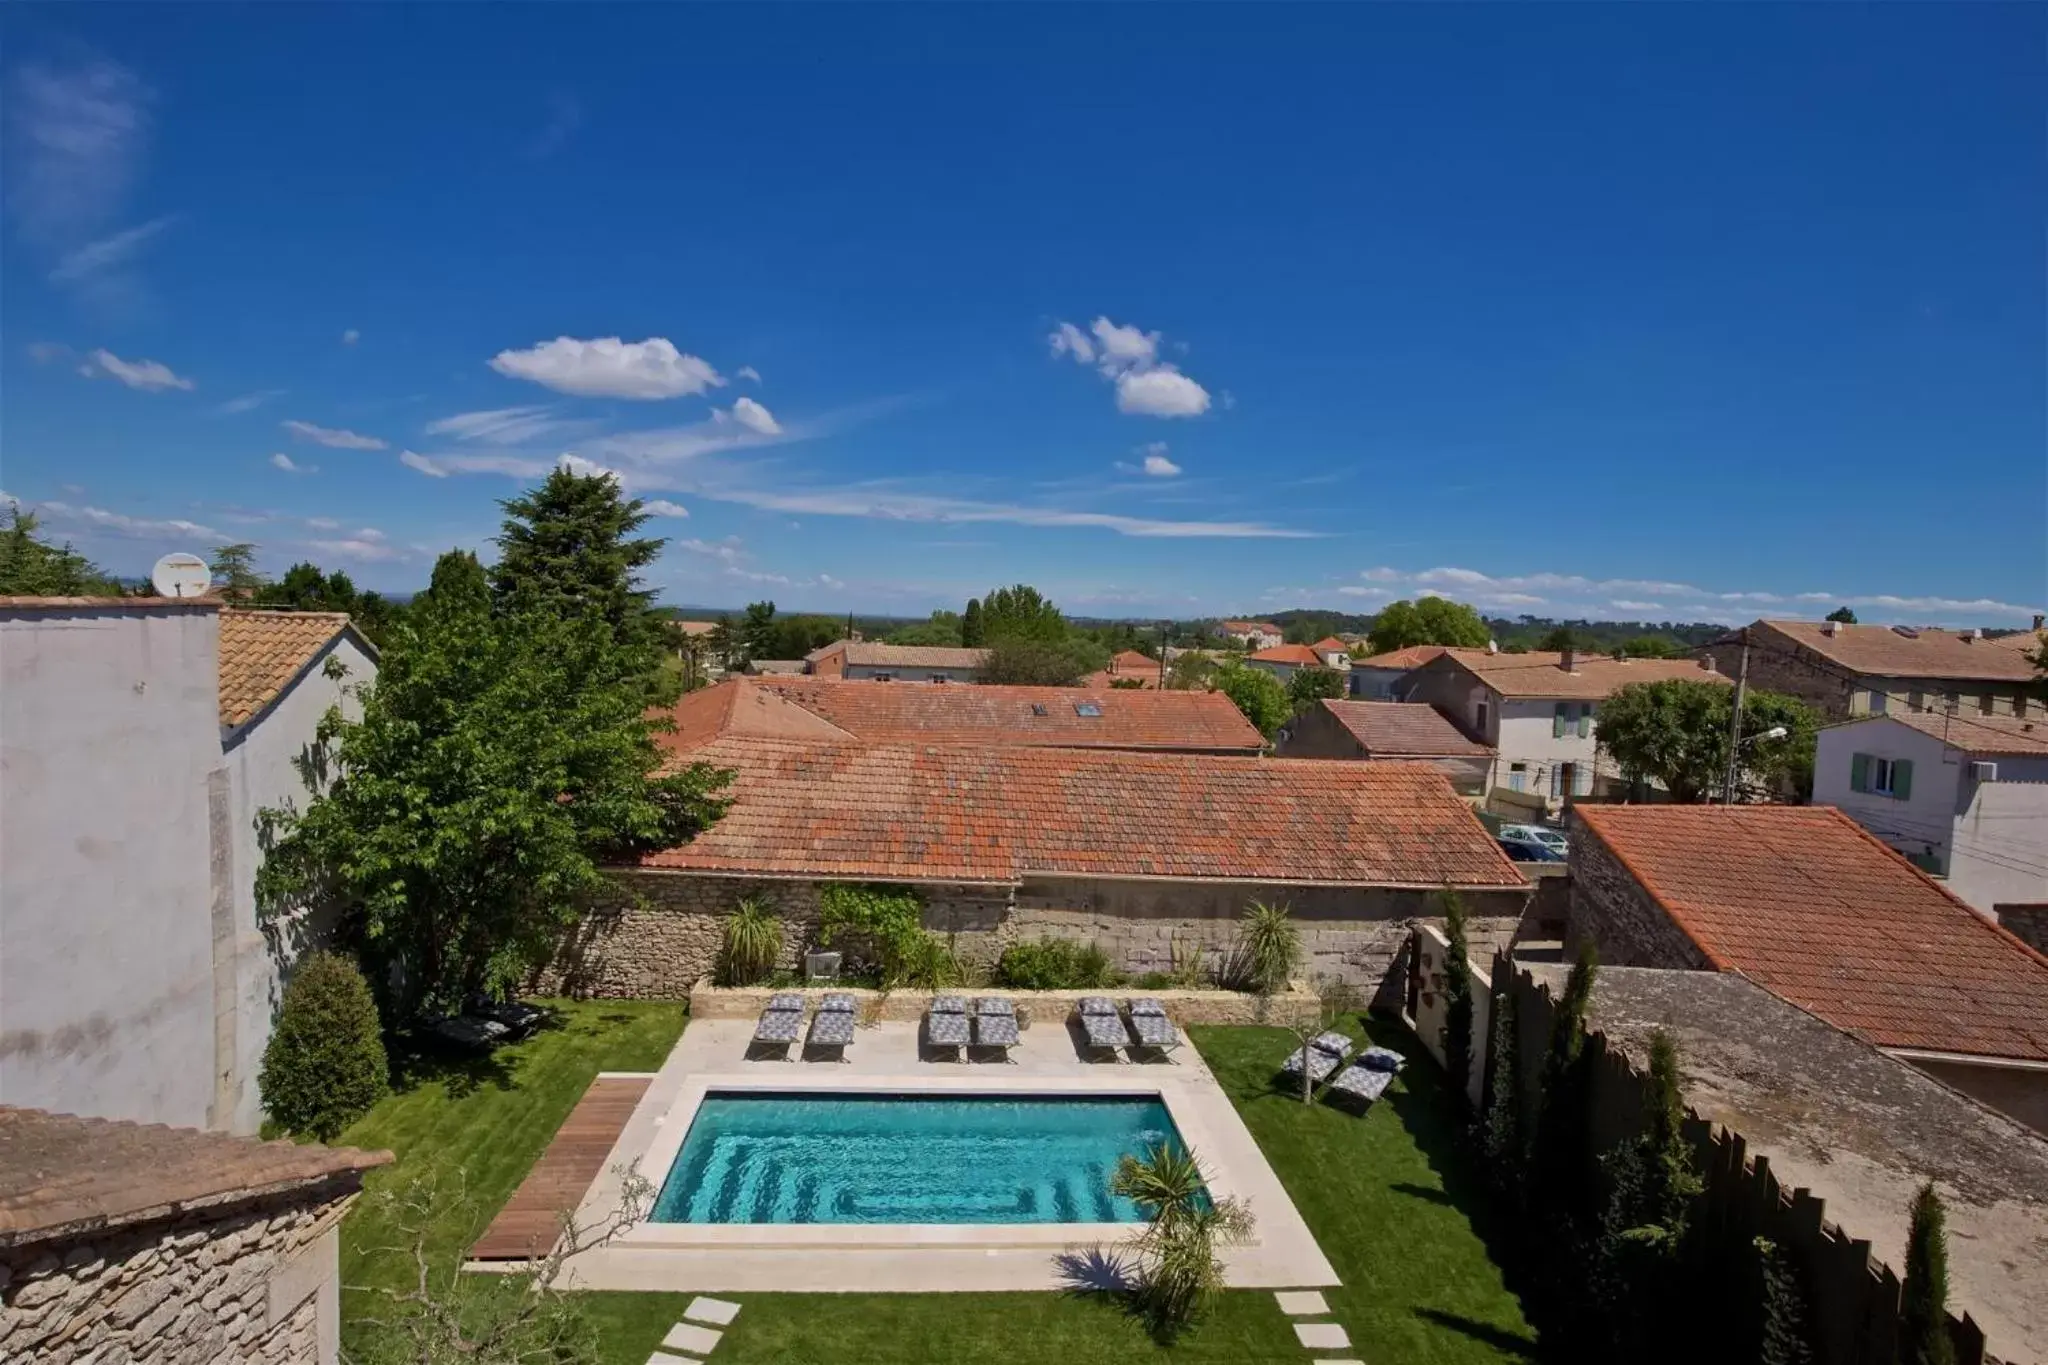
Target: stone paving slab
<point x="1321" y="1336"/>
<point x="717" y="1312"/>
<point x="664" y="1358"/>
<point x="684" y="1337"/>
<point x="1300" y="1303"/>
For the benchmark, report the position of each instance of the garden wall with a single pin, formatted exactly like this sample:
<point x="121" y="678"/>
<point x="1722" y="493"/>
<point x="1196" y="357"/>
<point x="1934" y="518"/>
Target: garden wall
<point x="1296" y="1005"/>
<point x="662" y="934"/>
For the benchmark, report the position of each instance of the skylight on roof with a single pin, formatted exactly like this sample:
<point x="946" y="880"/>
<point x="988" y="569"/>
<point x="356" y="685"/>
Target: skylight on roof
<point x="1038" y="709"/>
<point x="1087" y="708"/>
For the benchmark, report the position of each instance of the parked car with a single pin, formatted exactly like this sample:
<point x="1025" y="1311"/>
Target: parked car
<point x="1549" y="838"/>
<point x="1526" y="848"/>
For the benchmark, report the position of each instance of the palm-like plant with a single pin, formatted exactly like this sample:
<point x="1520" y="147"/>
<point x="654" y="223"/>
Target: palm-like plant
<point x="1183" y="1227"/>
<point x="753" y="941"/>
<point x="1268" y="946"/>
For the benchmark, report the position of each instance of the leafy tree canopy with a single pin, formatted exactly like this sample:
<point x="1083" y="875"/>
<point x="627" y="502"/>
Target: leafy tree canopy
<point x="1020" y="613"/>
<point x="1560" y="639"/>
<point x="1257" y="693"/>
<point x="305" y="587"/>
<point x="1430" y="621"/>
<point x="1675" y="732"/>
<point x="1037" y="663"/>
<point x="1310" y="685"/>
<point x="234" y="570"/>
<point x="945" y="629"/>
<point x="31" y="566"/>
<point x="1844" y="615"/>
<point x="567" y="549"/>
<point x="973" y="629"/>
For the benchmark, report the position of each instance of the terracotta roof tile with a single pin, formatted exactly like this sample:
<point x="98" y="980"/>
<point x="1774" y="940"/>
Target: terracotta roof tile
<point x="262" y="651"/>
<point x="1330" y="644"/>
<point x="1881" y="651"/>
<point x="1973" y="733"/>
<point x="1127" y="667"/>
<point x="60" y="1173"/>
<point x="1404" y="729"/>
<point x="1593" y="676"/>
<point x="1247" y="627"/>
<point x="867" y="653"/>
<point x="935" y="813"/>
<point x="1300" y="655"/>
<point x="833" y="709"/>
<point x="1411" y="656"/>
<point x="1806" y="903"/>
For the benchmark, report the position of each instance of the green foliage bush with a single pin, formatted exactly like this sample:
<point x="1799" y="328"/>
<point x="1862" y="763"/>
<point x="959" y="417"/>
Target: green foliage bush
<point x="325" y="1065"/>
<point x="1268" y="946"/>
<point x="751" y="943"/>
<point x="1923" y="1313"/>
<point x="883" y="928"/>
<point x="1054" y="964"/>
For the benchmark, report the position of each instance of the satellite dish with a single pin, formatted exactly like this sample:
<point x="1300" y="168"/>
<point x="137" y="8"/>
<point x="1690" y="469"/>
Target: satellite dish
<point x="181" y="575"/>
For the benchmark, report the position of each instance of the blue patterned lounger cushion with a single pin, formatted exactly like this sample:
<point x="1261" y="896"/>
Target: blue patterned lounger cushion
<point x="786" y="1000"/>
<point x="1320" y="1063"/>
<point x="779" y="1026"/>
<point x="1105" y="1030"/>
<point x="995" y="1004"/>
<point x="834" y="1029"/>
<point x="1380" y="1059"/>
<point x="1362" y="1082"/>
<point x="836" y="1002"/>
<point x="949" y="1004"/>
<point x="1155" y="1030"/>
<point x="1147" y="1005"/>
<point x="996" y="1030"/>
<point x="1095" y="1004"/>
<point x="946" y="1030"/>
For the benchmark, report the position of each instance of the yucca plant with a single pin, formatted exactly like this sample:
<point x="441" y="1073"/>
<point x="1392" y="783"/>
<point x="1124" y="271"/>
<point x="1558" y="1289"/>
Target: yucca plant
<point x="752" y="943"/>
<point x="1183" y="1227"/>
<point x="1268" y="945"/>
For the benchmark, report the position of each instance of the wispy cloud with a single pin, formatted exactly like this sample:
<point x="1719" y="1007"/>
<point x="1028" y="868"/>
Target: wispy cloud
<point x="1128" y="357"/>
<point x="248" y="402"/>
<point x="609" y="367"/>
<point x="79" y="132"/>
<point x="662" y="507"/>
<point x="291" y="466"/>
<point x="350" y="337"/>
<point x="151" y="376"/>
<point x="509" y="426"/>
<point x="368" y="545"/>
<point x="748" y="373"/>
<point x="1153" y="464"/>
<point x="755" y="418"/>
<point x="108" y="253"/>
<point x="333" y="437"/>
<point x="63" y="514"/>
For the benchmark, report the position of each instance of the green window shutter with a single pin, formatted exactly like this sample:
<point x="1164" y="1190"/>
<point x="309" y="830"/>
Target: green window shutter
<point x="1902" y="779"/>
<point x="1557" y="721"/>
<point x="1859" y="772"/>
<point x="1585" y="719"/>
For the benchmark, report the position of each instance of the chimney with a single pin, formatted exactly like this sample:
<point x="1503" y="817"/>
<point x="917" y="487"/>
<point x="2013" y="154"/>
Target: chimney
<point x="854" y="636"/>
<point x="1831" y="627"/>
<point x="1707" y="662"/>
<point x="1972" y="635"/>
<point x="2040" y="620"/>
<point x="1569" y="661"/>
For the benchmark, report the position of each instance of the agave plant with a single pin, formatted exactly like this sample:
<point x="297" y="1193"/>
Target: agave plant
<point x="752" y="943"/>
<point x="1268" y="945"/>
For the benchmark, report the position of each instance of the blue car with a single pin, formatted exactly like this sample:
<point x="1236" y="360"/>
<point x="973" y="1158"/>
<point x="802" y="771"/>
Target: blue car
<point x="1525" y="847"/>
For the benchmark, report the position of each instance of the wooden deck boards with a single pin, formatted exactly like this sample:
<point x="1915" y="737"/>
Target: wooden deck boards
<point x="531" y="1220"/>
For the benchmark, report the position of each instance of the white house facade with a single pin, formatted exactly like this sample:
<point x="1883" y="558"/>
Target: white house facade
<point x="1965" y="798"/>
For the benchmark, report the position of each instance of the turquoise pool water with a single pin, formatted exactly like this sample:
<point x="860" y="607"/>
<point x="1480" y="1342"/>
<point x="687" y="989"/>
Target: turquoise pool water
<point x="822" y="1158"/>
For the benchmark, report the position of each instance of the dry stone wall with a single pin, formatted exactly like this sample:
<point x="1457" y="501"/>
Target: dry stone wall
<point x="1610" y="908"/>
<point x="254" y="1284"/>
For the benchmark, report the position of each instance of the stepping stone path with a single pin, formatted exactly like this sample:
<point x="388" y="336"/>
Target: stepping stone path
<point x="1315" y="1336"/>
<point x="687" y="1336"/>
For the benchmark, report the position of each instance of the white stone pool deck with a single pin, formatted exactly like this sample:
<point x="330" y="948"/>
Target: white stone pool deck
<point x="900" y="1258"/>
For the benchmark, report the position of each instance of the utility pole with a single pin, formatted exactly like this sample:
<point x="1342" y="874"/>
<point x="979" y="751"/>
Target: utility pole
<point x="1735" y="723"/>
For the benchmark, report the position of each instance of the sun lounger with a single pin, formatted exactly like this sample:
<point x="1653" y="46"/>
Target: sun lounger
<point x="1155" y="1031"/>
<point x="1105" y="1032"/>
<point x="995" y="1004"/>
<point x="1359" y="1083"/>
<point x="787" y="1000"/>
<point x="1380" y="1059"/>
<point x="778" y="1028"/>
<point x="1326" y="1052"/>
<point x="1095" y="1004"/>
<point x="946" y="1028"/>
<point x="996" y="1031"/>
<point x="832" y="1031"/>
<point x="949" y="1004"/>
<point x="1147" y="1005"/>
<point x="836" y="1002"/>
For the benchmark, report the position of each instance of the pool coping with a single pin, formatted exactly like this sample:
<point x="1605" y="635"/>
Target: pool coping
<point x="915" y="1257"/>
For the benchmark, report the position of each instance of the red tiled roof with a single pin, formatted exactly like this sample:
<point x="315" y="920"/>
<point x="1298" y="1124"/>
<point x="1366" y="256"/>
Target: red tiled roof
<point x="869" y="654"/>
<point x="61" y="1174"/>
<point x="1882" y="652"/>
<point x="1299" y="655"/>
<point x="1247" y="627"/>
<point x="106" y="603"/>
<point x="1330" y="644"/>
<point x="1973" y="734"/>
<point x="831" y="709"/>
<point x="261" y="652"/>
<point x="1404" y="729"/>
<point x="1126" y="668"/>
<point x="1540" y="673"/>
<point x="1131" y="661"/>
<point x="1802" y="900"/>
<point x="935" y="813"/>
<point x="1411" y="656"/>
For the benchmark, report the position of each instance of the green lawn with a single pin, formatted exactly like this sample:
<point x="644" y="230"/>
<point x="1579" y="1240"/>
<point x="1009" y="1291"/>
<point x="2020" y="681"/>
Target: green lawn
<point x="1384" y="1194"/>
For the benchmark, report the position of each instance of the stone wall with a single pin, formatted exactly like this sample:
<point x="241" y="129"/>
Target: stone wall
<point x="663" y="935"/>
<point x="254" y="1282"/>
<point x="1297" y="1004"/>
<point x="1612" y="910"/>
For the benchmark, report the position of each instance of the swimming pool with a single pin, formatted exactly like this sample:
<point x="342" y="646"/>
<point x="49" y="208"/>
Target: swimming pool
<point x="753" y="1157"/>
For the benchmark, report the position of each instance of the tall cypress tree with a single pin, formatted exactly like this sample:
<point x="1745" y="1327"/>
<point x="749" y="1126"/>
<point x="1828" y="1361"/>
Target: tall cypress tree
<point x="971" y="624"/>
<point x="1923" y="1314"/>
<point x="1457" y="997"/>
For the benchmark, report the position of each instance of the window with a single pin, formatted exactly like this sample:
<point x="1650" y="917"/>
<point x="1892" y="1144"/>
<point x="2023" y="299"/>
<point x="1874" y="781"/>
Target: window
<point x="1585" y="721"/>
<point x="1479" y="710"/>
<point x="1087" y="708"/>
<point x="1559" y="719"/>
<point x="1038" y="709"/>
<point x="1984" y="704"/>
<point x="1878" y="700"/>
<point x="885" y="677"/>
<point x="1582" y="779"/>
<point x="1917" y="700"/>
<point x="1557" y="778"/>
<point x="940" y="677"/>
<point x="1891" y="777"/>
<point x="1952" y="703"/>
<point x="1518" y="777"/>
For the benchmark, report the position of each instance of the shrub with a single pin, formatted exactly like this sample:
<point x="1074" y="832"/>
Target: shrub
<point x="1923" y="1314"/>
<point x="1268" y="946"/>
<point x="1054" y="964"/>
<point x="1457" y="1037"/>
<point x="1182" y="1272"/>
<point x="325" y="1065"/>
<point x="752" y="941"/>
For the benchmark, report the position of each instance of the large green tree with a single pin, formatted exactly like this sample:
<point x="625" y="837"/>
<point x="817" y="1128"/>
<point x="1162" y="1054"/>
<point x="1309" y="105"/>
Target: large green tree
<point x="1429" y="621"/>
<point x="305" y="587"/>
<point x="1038" y="663"/>
<point x="463" y="822"/>
<point x="757" y="631"/>
<point x="1310" y="685"/>
<point x="1675" y="732"/>
<point x="973" y="630"/>
<point x="945" y="629"/>
<point x="31" y="566"/>
<point x="234" y="570"/>
<point x="1257" y="693"/>
<point x="1020" y="612"/>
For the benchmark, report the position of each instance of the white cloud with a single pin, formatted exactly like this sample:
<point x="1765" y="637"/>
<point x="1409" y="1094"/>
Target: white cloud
<point x="754" y="417"/>
<point x="248" y="402"/>
<point x="1128" y="356"/>
<point x="1155" y="462"/>
<point x="77" y="136"/>
<point x="368" y="546"/>
<point x="108" y="253"/>
<point x="333" y="437"/>
<point x="351" y="337"/>
<point x="749" y="373"/>
<point x="291" y="466"/>
<point x="576" y="464"/>
<point x="610" y="368"/>
<point x="1624" y="604"/>
<point x="422" y="463"/>
<point x="513" y="426"/>
<point x="323" y="523"/>
<point x="826" y="580"/>
<point x="662" y="507"/>
<point x="726" y="551"/>
<point x="151" y="376"/>
<point x="121" y="524"/>
<point x="886" y="505"/>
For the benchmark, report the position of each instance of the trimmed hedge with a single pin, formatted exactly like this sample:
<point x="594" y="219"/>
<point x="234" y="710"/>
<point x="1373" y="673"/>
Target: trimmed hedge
<point x="325" y="1065"/>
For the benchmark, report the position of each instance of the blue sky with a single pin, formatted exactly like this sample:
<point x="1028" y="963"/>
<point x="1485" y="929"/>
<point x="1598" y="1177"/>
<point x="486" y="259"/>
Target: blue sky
<point x="1676" y="312"/>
